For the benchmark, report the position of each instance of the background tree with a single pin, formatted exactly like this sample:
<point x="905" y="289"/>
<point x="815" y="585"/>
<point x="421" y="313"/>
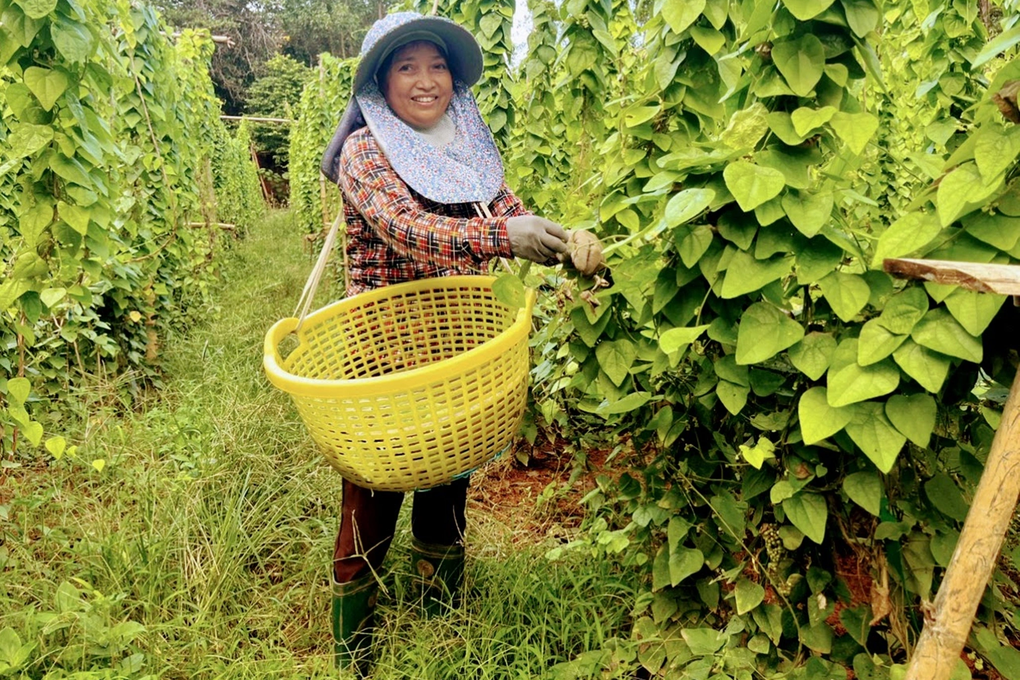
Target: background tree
<point x="254" y="28"/>
<point x="276" y="94"/>
<point x="312" y="27"/>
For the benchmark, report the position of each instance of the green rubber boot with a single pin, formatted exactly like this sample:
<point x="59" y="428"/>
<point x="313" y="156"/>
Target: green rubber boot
<point x="353" y="609"/>
<point x="437" y="571"/>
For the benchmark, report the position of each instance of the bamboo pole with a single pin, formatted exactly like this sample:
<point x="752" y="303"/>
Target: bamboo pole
<point x="218" y="39"/>
<point x="258" y="119"/>
<point x="323" y="202"/>
<point x="219" y="225"/>
<point x="946" y="631"/>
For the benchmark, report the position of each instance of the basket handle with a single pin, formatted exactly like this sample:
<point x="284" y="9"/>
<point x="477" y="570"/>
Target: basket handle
<point x="271" y="359"/>
<point x="312" y="285"/>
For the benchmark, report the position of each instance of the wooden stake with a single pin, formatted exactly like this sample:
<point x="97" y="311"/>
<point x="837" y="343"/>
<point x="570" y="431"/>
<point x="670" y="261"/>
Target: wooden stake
<point x="262" y="180"/>
<point x="947" y="623"/>
<point x="976" y="554"/>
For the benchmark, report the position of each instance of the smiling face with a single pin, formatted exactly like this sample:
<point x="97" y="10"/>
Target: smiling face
<point x="417" y="84"/>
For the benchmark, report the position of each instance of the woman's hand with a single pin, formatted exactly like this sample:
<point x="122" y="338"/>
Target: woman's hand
<point x="536" y="239"/>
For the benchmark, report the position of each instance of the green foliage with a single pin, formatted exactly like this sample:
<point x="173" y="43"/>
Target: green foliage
<point x="215" y="504"/>
<point x="322" y="103"/>
<point x="109" y="130"/>
<point x="751" y="165"/>
<point x="275" y="94"/>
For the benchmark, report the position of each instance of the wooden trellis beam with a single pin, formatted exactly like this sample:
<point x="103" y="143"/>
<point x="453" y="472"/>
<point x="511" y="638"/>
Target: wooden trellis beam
<point x="1003" y="279"/>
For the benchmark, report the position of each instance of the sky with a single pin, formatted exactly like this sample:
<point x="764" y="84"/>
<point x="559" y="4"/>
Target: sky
<point x="520" y="31"/>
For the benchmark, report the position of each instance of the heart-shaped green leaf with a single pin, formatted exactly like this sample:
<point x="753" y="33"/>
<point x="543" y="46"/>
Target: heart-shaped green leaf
<point x="849" y="382"/>
<point x="615" y="359"/>
<point x="806" y="9"/>
<point x="808" y="212"/>
<point x="732" y="396"/>
<point x="906" y="235"/>
<point x="876" y="343"/>
<point x="680" y="15"/>
<point x="846" y="294"/>
<point x="676" y="338"/>
<point x="752" y="184"/>
<point x="878" y="439"/>
<point x="631" y="402"/>
<point x="819" y="420"/>
<point x="913" y="415"/>
<point x="903" y="310"/>
<point x="974" y="310"/>
<point x="27" y="139"/>
<point x="862" y="15"/>
<point x="995" y="229"/>
<point x="78" y="218"/>
<point x="995" y="150"/>
<point x="638" y="115"/>
<point x="683" y="563"/>
<point x="34" y="222"/>
<point x="694" y="245"/>
<point x="801" y="62"/>
<point x="746" y="127"/>
<point x="687" y="204"/>
<point x="945" y="495"/>
<point x="962" y="191"/>
<point x="765" y="331"/>
<point x="928" y="368"/>
<point x="811" y="355"/>
<point x="708" y="39"/>
<point x="51" y="296"/>
<point x="806" y="119"/>
<point x="37" y="9"/>
<point x="939" y="331"/>
<point x="33" y="431"/>
<point x="747" y="595"/>
<point x="808" y="512"/>
<point x="746" y="274"/>
<point x="18" y="389"/>
<point x="865" y="489"/>
<point x="46" y="84"/>
<point x="856" y="129"/>
<point x="781" y="124"/>
<point x="56" y="446"/>
<point x="72" y="39"/>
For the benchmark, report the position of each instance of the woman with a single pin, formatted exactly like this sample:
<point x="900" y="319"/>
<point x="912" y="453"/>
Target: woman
<point x="424" y="196"/>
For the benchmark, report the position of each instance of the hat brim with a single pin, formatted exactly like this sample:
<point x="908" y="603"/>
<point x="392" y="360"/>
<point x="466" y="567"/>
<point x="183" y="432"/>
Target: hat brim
<point x="464" y="55"/>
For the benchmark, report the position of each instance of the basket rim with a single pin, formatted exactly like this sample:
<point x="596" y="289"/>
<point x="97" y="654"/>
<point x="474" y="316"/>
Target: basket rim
<point x="398" y="382"/>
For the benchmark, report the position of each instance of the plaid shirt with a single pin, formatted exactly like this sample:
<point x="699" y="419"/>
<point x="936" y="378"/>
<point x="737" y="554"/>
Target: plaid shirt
<point x="396" y="235"/>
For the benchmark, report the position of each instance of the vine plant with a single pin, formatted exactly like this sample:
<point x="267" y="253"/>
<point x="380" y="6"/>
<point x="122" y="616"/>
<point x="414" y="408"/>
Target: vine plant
<point x="803" y="430"/>
<point x="796" y="409"/>
<point x="106" y="131"/>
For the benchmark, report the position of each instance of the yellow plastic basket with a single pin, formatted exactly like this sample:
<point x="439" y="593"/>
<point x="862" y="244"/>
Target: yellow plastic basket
<point x="408" y="386"/>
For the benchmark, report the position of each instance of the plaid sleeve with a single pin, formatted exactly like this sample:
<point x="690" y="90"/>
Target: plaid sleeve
<point x="383" y="199"/>
<point x="507" y="204"/>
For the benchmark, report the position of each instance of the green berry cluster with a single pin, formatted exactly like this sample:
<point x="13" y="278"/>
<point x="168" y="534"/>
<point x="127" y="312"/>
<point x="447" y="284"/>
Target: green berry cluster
<point x="776" y="551"/>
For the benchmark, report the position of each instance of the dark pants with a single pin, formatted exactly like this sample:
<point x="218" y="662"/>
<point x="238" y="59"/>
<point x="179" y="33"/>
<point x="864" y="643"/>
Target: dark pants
<point x="368" y="520"/>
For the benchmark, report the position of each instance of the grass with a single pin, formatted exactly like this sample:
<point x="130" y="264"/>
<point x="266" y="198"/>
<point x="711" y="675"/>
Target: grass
<point x="201" y="547"/>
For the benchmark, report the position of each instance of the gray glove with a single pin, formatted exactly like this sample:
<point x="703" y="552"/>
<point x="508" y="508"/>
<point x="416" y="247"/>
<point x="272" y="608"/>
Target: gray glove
<point x="536" y="238"/>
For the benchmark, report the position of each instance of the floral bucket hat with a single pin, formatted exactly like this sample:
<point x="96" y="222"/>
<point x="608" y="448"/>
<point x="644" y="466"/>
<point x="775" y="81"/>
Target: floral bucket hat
<point x="468" y="170"/>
